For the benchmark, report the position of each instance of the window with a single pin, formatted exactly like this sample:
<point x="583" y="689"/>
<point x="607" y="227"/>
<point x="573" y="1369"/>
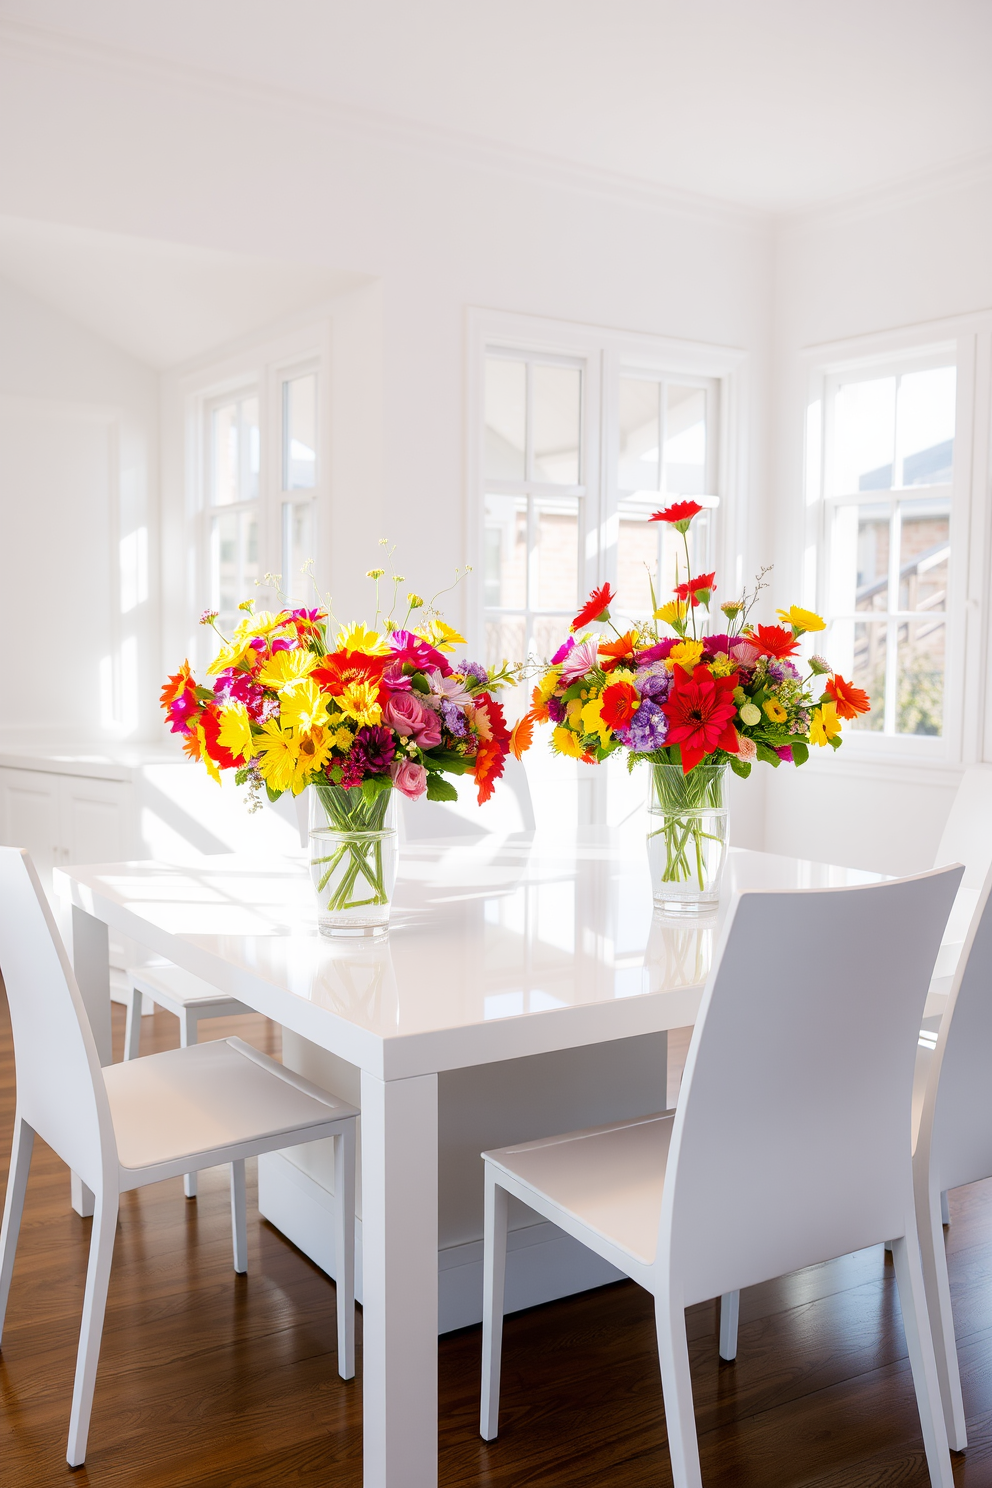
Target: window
<point x="261" y="484"/>
<point x="553" y="526"/>
<point x="887" y="535"/>
<point x="666" y="451"/>
<point x="535" y="495"/>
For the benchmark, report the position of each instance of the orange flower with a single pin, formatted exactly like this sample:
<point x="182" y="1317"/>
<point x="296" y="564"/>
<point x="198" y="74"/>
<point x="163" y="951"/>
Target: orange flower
<point x="491" y="757"/>
<point x="850" y="700"/>
<point x="341" y="668"/>
<point x="176" y="685"/>
<point x="772" y="640"/>
<point x="522" y="736"/>
<point x="539" y="710"/>
<point x="616" y="651"/>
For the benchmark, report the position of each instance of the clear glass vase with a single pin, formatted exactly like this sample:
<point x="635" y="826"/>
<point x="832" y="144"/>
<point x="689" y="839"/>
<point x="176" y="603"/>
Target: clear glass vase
<point x="687" y="836"/>
<point x="353" y="853"/>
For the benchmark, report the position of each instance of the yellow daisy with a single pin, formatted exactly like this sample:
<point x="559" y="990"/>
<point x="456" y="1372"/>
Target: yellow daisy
<point x="686" y="655"/>
<point x="801" y="619"/>
<point x="442" y="636"/>
<point x="235" y="730"/>
<point x="303" y="707"/>
<point x="673" y="613"/>
<point x="315" y="750"/>
<point x="287" y="668"/>
<point x="251" y="626"/>
<point x="592" y="721"/>
<point x="358" y="637"/>
<point x="824" y="725"/>
<point x="278" y="756"/>
<point x="565" y="742"/>
<point x="360" y="701"/>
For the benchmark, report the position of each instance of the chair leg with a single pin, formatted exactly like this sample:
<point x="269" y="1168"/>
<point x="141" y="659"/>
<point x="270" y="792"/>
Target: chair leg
<point x="730" y="1310"/>
<point x="91" y="1331"/>
<point x="344" y="1246"/>
<point x="187" y="1036"/>
<point x="676" y="1385"/>
<point x="17" y="1182"/>
<point x="945" y="1209"/>
<point x="912" y="1296"/>
<point x="493" y="1280"/>
<point x="938" y="1295"/>
<point x="132" y="1027"/>
<point x="239" y="1216"/>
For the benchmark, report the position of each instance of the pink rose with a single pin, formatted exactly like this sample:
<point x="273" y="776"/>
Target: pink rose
<point x="395" y="678"/>
<point x="409" y="778"/>
<point x="429" y="736"/>
<point x="406" y="714"/>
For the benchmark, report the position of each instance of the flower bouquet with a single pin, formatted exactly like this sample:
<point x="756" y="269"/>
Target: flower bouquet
<point x="691" y="705"/>
<point x="377" y="710"/>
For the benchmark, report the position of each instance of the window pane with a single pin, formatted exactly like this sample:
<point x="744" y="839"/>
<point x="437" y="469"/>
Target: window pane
<point x="547" y="634"/>
<point x="506" y="552"/>
<point x="926" y="426"/>
<point x="864" y="435"/>
<point x="297" y="548"/>
<point x="506" y="419"/>
<point x="556" y="410"/>
<point x="920" y="656"/>
<point x="640" y="435"/>
<point x="505" y="639"/>
<point x="299" y="433"/>
<point x="225" y="597"/>
<point x="860" y="558"/>
<point x="639" y="544"/>
<point x="924" y="550"/>
<point x="868" y="672"/>
<point x="234" y="452"/>
<point x="556" y="554"/>
<point x="685" y="441"/>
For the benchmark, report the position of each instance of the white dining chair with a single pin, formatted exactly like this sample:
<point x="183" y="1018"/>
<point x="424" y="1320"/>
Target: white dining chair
<point x="761" y="1169"/>
<point x="953" y="1131"/>
<point x="142" y="1121"/>
<point x="966" y="839"/>
<point x="188" y="998"/>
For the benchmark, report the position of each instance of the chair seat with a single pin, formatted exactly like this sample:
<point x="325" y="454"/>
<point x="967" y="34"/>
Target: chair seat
<point x="609" y="1178"/>
<point x="188" y="1102"/>
<point x="174" y="988"/>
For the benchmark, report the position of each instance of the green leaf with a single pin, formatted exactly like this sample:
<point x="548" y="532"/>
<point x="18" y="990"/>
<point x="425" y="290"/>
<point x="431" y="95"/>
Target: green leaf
<point x="439" y="789"/>
<point x="740" y="767"/>
<point x="419" y="682"/>
<point x="272" y="795"/>
<point x="446" y="759"/>
<point x="836" y="741"/>
<point x="766" y="753"/>
<point x="374" y="785"/>
<point x="800" y="752"/>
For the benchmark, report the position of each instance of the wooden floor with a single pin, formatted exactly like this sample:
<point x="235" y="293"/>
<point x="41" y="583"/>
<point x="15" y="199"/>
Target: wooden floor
<point x="208" y="1378"/>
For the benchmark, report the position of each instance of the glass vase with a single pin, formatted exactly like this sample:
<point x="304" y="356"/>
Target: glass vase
<point x="353" y="855"/>
<point x="687" y="836"/>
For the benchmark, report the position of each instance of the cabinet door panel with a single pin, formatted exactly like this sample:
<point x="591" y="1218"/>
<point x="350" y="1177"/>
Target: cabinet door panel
<point x="29" y="816"/>
<point x="94" y="820"/>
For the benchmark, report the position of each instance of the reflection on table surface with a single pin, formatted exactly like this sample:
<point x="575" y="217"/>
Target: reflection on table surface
<point x="480" y="932"/>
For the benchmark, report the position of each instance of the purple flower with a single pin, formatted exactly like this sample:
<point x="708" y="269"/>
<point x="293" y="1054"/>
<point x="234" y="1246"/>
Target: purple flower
<point x="353" y="772"/>
<point x="556" y="710"/>
<point x="648" y="729"/>
<point x="472" y="669"/>
<point x="779" y="670"/>
<point x="454" y="719"/>
<point x="563" y="651"/>
<point x="376" y="746"/>
<point x="784" y="752"/>
<point x="654" y="681"/>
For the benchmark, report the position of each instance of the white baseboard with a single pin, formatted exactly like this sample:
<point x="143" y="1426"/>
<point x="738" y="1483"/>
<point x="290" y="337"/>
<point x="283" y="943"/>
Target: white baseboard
<point x="542" y="1262"/>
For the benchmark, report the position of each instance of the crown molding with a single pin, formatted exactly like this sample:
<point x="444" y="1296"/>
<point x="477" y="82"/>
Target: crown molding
<point x="922" y="186"/>
<point x="39" y="43"/>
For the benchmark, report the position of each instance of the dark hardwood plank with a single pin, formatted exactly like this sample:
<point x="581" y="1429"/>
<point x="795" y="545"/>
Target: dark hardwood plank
<point x="210" y="1380"/>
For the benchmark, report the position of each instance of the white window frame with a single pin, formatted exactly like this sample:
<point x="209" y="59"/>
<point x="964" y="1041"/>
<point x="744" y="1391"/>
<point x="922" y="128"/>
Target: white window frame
<point x="967" y="342"/>
<point x="260" y="368"/>
<point x="605" y="356"/>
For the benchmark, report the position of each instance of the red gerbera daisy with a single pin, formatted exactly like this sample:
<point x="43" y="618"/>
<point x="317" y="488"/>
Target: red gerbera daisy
<point x="680" y="514"/>
<point x="773" y="640"/>
<point x="850" y="700"/>
<point x="596" y="607"/>
<point x="698" y="590"/>
<point x="621" y="701"/>
<point x="700" y="711"/>
<point x="490" y="759"/>
<point x="342" y="667"/>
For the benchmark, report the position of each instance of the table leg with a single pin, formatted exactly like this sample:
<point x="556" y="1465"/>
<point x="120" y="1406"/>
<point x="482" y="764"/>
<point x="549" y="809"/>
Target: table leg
<point x="399" y="1259"/>
<point x="91" y="963"/>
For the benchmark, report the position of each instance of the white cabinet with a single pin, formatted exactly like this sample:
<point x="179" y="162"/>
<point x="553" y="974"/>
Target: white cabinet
<point x="63" y="818"/>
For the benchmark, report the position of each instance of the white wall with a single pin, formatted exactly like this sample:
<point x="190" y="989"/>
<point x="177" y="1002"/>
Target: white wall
<point x="78" y="422"/>
<point x="897" y="260"/>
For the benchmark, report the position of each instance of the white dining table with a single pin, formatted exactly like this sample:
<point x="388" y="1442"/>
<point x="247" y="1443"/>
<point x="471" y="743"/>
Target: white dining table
<point x="497" y="948"/>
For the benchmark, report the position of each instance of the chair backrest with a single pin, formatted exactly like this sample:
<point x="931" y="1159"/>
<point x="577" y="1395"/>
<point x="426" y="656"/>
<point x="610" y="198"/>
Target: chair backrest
<point x="967" y="834"/>
<point x="792" y="1137"/>
<point x="955" y="1137"/>
<point x="60" y="1089"/>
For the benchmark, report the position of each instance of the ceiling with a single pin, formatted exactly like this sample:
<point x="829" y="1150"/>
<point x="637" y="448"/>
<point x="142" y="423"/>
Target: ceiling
<point x="161" y="302"/>
<point x="778" y="105"/>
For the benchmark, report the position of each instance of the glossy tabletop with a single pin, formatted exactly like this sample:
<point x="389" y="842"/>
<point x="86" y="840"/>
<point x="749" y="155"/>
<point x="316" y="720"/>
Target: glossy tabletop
<point x="496" y="949"/>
